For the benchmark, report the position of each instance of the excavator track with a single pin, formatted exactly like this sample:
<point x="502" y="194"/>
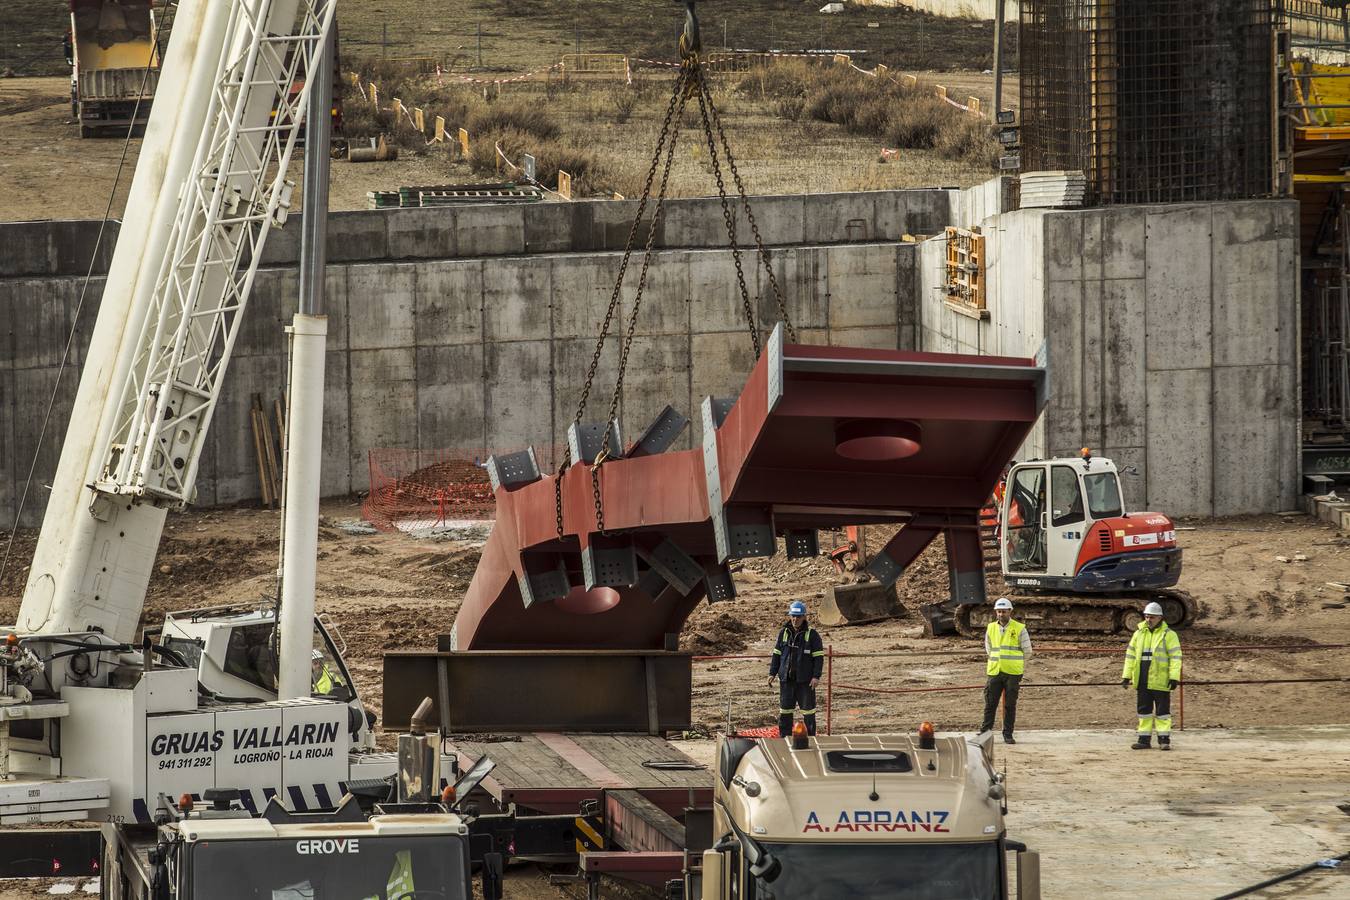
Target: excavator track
<point x="1083" y="615"/>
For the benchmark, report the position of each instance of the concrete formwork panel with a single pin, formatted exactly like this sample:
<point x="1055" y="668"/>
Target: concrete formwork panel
<point x="517" y="408"/>
<point x="236" y="459"/>
<point x="490" y="230"/>
<point x="422" y="233"/>
<point x="1180" y="454"/>
<point x="861" y="286"/>
<point x="517" y="299"/>
<point x="1179" y="283"/>
<point x="585" y="285"/>
<point x="381" y="312"/>
<point x="449" y="302"/>
<point x="1246" y="316"/>
<point x="383" y="391"/>
<point x="451" y="397"/>
<point x="1249" y="437"/>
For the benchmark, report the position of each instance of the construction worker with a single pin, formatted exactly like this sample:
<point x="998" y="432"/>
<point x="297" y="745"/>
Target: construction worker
<point x="1007" y="647"/>
<point x="1153" y="667"/>
<point x="322" y="677"/>
<point x="798" y="658"/>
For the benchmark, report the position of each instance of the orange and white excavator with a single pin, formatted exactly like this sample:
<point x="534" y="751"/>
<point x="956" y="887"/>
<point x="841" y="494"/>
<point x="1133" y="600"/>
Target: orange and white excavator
<point x="1058" y="531"/>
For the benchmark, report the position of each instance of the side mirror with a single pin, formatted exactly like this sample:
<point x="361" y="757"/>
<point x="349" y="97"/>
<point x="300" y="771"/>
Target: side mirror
<point x="1028" y="875"/>
<point x="492" y="876"/>
<point x="767" y="868"/>
<point x="714" y="874"/>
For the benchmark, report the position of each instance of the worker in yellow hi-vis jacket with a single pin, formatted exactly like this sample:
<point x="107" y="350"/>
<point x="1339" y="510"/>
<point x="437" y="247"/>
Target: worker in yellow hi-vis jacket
<point x="1153" y="668"/>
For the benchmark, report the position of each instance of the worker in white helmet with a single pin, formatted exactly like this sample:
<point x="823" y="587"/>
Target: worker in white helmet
<point x="1153" y="668"/>
<point x="1007" y="647"/>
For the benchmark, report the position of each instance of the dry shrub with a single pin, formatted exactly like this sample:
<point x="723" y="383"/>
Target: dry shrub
<point x="513" y="115"/>
<point x="790" y="108"/>
<point x="622" y="101"/>
<point x="550" y="155"/>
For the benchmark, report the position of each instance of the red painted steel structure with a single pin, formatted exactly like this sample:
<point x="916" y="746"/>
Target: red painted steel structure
<point x="785" y="457"/>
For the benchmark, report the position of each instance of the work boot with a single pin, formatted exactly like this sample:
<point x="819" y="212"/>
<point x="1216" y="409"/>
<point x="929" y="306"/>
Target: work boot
<point x="1143" y="742"/>
<point x="1009" y="739"/>
<point x="1164" y="743"/>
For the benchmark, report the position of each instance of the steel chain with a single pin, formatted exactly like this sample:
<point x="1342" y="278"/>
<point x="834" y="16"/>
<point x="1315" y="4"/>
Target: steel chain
<point x="703" y="101"/>
<point x="750" y="217"/>
<point x="676" y="98"/>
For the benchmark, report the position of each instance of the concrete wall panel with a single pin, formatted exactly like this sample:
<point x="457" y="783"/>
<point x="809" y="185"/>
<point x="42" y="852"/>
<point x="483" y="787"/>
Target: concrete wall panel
<point x="803" y="278"/>
<point x="862" y="286"/>
<point x="714" y="294"/>
<point x="276" y="294"/>
<point x="336" y="473"/>
<point x="658" y="375"/>
<point x="586" y="284"/>
<point x="517" y="299"/>
<point x="422" y="233"/>
<point x="1179" y="283"/>
<point x="11" y="468"/>
<point x="1124" y="389"/>
<point x="383" y="404"/>
<point x="449" y="302"/>
<point x="665" y="299"/>
<point x="1122" y="242"/>
<point x="451" y="403"/>
<point x="381" y="310"/>
<point x="1246" y="316"/>
<point x="38" y="313"/>
<point x="1249" y="437"/>
<point x="841" y="217"/>
<point x="490" y="230"/>
<point x="1180" y="454"/>
<point x="1133" y="484"/>
<point x="518" y="408"/>
<point x="720" y="363"/>
<point x="236" y="459"/>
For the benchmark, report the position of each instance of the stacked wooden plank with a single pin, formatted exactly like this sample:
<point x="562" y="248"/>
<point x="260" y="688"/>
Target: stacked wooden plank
<point x="1052" y="190"/>
<point x="268" y="444"/>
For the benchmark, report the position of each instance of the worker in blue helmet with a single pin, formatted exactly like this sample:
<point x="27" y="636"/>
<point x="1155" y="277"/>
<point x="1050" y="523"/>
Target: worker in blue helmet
<point x="798" y="659"/>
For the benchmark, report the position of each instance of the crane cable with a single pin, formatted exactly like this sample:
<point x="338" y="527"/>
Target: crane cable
<point x="691" y="81"/>
<point x="84" y="287"/>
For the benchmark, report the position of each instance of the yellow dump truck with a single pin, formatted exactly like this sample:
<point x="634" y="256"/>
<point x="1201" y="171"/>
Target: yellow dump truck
<point x="114" y="64"/>
<point x="907" y="817"/>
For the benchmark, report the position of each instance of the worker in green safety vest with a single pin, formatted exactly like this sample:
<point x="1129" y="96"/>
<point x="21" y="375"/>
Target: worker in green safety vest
<point x="400" y="882"/>
<point x="1007" y="647"/>
<point x="322" y="677"/>
<point x="1153" y="668"/>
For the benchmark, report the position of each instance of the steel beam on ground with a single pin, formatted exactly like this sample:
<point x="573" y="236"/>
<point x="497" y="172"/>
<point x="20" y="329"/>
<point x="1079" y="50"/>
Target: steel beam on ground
<point x="637" y="824"/>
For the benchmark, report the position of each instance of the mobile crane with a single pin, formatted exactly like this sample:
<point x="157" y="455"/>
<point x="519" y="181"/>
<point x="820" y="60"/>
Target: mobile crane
<point x="94" y="725"/>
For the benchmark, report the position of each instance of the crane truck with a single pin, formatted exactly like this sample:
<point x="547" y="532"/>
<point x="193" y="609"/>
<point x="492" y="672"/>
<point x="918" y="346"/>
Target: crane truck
<point x="96" y="724"/>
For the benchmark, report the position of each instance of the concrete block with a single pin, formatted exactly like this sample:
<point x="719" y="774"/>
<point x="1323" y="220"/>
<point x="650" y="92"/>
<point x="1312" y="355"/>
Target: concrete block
<point x="1180" y="442"/>
<point x="449" y="302"/>
<point x="335" y="476"/>
<point x="517" y="411"/>
<point x="451" y="405"/>
<point x="1179" y="284"/>
<point x="517" y="297"/>
<point x="665" y="299"/>
<point x="1063" y="245"/>
<point x="236" y="460"/>
<point x="839" y="218"/>
<point x="355" y="236"/>
<point x="1122" y="242"/>
<point x="428" y="233"/>
<point x="1251" y="419"/>
<point x="557" y="227"/>
<point x="383" y="405"/>
<point x="380" y="306"/>
<point x="583" y="286"/>
<point x="661" y="377"/>
<point x="1124" y="391"/>
<point x="1247" y="289"/>
<point x="802" y="275"/>
<point x="862" y="285"/>
<point x="490" y="230"/>
<point x="879" y="337"/>
<point x="271" y="307"/>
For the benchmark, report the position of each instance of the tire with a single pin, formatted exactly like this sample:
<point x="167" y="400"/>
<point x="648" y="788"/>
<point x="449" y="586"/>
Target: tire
<point x="1131" y="619"/>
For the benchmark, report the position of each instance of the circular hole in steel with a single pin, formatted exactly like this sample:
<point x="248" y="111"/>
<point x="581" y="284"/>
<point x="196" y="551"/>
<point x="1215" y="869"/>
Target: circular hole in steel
<point x="876" y="440"/>
<point x="581" y="602"/>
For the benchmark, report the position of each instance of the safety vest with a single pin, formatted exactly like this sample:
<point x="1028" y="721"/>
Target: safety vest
<point x="1005" y="648"/>
<point x="400" y="881"/>
<point x="1161" y="649"/>
<point x="326" y="681"/>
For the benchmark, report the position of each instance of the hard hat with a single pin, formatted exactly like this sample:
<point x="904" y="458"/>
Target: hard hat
<point x="1002" y="603"/>
<point x="1153" y="609"/>
<point x="796" y="608"/>
<point x="315" y="655"/>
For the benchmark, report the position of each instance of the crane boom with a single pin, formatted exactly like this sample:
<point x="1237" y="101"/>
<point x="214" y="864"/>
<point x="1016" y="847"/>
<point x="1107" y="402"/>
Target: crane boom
<point x="210" y="185"/>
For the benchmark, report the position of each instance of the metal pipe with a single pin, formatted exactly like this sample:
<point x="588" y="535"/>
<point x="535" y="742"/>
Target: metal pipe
<point x="304" y="406"/>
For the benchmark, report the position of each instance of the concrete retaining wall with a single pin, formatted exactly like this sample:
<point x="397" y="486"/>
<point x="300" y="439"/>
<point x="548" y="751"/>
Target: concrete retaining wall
<point x="1172" y="338"/>
<point x="472" y="327"/>
<point x="960" y="9"/>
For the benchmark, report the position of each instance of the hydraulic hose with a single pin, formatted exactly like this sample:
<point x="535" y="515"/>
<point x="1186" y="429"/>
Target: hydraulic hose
<point x="1331" y="863"/>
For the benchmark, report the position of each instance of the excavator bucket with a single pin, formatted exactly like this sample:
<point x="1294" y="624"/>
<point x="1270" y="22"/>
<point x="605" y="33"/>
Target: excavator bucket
<point x="855" y="604"/>
<point x="819" y="438"/>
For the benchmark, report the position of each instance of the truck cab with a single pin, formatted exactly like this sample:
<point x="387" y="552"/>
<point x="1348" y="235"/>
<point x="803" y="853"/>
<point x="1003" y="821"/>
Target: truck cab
<point x="1064" y="527"/>
<point x="223" y="853"/>
<point x="893" y="815"/>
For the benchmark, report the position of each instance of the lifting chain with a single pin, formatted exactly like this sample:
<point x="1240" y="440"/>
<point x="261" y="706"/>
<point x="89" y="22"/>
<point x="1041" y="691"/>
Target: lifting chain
<point x="691" y="82"/>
